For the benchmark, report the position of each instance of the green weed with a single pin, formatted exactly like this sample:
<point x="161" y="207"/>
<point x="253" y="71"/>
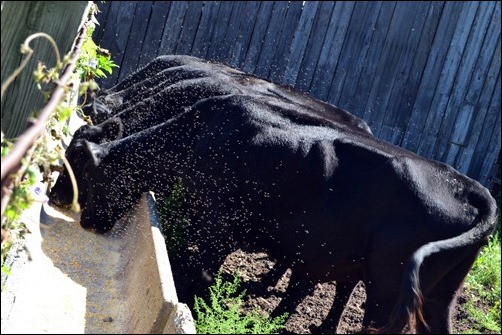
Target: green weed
<point x="224" y="312"/>
<point x="173" y="222"/>
<point x="483" y="289"/>
<point x="45" y="153"/>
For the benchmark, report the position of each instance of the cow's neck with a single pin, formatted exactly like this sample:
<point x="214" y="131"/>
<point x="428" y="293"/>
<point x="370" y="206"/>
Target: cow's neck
<point x="156" y="157"/>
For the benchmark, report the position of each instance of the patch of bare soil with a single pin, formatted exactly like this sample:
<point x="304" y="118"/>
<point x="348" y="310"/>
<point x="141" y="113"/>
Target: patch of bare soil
<point x="252" y="268"/>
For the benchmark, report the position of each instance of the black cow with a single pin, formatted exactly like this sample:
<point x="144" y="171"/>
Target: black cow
<point x="333" y="202"/>
<point x="170" y="83"/>
<point x="61" y="193"/>
<point x="166" y="87"/>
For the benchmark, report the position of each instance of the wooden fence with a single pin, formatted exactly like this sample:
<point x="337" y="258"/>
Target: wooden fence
<point x="20" y="19"/>
<point x="425" y="75"/>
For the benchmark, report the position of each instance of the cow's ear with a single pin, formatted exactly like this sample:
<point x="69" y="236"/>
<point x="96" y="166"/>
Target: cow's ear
<point x="94" y="153"/>
<point x="112" y="129"/>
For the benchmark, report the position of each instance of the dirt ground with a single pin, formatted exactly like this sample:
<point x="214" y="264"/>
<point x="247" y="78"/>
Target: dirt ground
<point x="311" y="312"/>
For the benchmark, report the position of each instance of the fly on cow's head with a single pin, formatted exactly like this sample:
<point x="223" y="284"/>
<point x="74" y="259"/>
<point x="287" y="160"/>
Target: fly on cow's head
<point x="97" y="111"/>
<point x="109" y="195"/>
<point x="62" y="192"/>
<point x="111" y="129"/>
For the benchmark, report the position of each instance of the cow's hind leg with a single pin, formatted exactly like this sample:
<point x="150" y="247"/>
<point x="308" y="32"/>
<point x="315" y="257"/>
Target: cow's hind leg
<point x="380" y="300"/>
<point x="382" y="280"/>
<point x="440" y="298"/>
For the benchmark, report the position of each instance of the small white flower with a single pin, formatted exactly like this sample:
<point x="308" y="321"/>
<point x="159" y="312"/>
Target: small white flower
<point x="38" y="195"/>
<point x="93" y="62"/>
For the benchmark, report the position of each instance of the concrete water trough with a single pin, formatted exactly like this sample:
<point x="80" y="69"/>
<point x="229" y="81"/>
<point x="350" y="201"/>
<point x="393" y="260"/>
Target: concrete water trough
<point x="68" y="280"/>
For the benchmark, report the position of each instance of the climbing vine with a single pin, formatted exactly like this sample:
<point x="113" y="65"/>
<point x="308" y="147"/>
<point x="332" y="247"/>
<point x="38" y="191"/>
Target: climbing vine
<point x="86" y="61"/>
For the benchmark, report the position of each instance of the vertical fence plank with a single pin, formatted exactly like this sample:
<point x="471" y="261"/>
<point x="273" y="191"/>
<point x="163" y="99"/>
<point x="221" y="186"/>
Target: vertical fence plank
<point x="205" y="29"/>
<point x="173" y="27"/>
<point x="398" y="44"/>
<point x="447" y="78"/>
<point x="391" y="110"/>
<point x="354" y="56"/>
<point x="270" y="40"/>
<point x="478" y="96"/>
<point x="314" y="45"/>
<point x="331" y="49"/>
<point x="234" y="29"/>
<point x="461" y="82"/>
<point x="151" y="42"/>
<point x="430" y="79"/>
<point x="247" y="22"/>
<point x="190" y="23"/>
<point x="492" y="150"/>
<point x="284" y="40"/>
<point x="259" y="30"/>
<point x="299" y="43"/>
<point x="116" y="35"/>
<point x="101" y="17"/>
<point x="490" y="124"/>
<point x="418" y="68"/>
<point x="370" y="66"/>
<point x="135" y="40"/>
<point x="215" y="50"/>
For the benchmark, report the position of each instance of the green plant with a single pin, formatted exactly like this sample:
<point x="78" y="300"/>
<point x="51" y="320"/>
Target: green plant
<point x="94" y="61"/>
<point x="12" y="227"/>
<point x="224" y="313"/>
<point x="36" y="165"/>
<point x="173" y="222"/>
<point x="44" y="155"/>
<point x="483" y="289"/>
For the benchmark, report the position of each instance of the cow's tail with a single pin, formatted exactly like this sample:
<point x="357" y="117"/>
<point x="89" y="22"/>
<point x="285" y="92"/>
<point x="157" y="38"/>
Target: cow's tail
<point x="409" y="310"/>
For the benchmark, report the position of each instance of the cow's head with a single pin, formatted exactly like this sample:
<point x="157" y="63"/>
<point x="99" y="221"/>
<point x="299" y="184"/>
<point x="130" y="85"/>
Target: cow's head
<point x="97" y="111"/>
<point x="111" y="189"/>
<point x="62" y="192"/>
